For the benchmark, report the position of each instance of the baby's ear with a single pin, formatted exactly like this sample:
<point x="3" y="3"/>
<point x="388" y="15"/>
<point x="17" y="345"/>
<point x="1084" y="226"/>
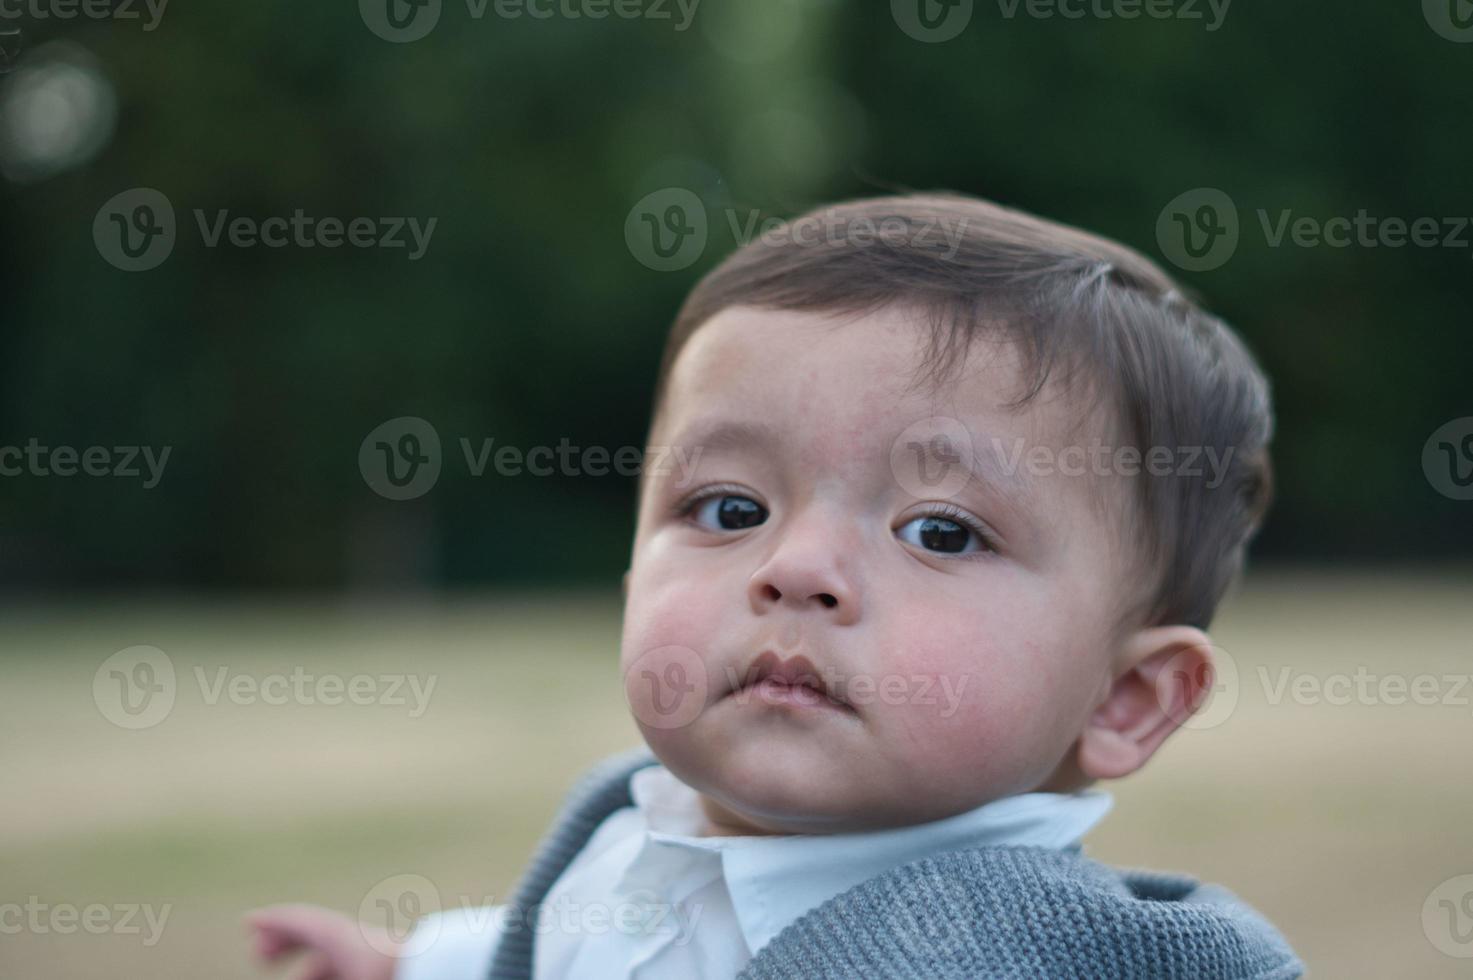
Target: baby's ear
<point x="1162" y="675"/>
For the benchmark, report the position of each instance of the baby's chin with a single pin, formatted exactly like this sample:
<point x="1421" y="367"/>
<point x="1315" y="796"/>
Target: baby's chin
<point x="791" y="788"/>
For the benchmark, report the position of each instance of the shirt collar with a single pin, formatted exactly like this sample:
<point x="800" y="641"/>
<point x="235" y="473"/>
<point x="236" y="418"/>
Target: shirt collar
<point x="773" y="880"/>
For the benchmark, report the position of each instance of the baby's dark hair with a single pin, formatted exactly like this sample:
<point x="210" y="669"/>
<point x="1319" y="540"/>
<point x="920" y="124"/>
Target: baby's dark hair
<point x="1080" y="307"/>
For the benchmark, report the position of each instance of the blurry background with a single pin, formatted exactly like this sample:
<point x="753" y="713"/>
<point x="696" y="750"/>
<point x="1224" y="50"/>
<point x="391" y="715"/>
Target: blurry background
<point x="533" y="315"/>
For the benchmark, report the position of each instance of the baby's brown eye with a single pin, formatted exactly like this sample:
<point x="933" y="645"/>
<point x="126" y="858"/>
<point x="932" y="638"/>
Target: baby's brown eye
<point x="941" y="534"/>
<point x="728" y="512"/>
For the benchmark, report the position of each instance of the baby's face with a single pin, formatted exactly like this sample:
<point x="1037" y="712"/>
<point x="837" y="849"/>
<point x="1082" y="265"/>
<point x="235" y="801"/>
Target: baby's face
<point x="962" y="620"/>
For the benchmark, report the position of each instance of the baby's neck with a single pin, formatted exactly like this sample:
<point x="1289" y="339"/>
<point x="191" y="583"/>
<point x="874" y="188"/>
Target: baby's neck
<point x="721" y="822"/>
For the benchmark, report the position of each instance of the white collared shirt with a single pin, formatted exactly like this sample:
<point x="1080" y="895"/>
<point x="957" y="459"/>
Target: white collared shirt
<point x="648" y="898"/>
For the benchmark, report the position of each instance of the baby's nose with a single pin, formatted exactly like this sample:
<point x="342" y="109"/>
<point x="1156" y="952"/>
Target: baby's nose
<point x="806" y="574"/>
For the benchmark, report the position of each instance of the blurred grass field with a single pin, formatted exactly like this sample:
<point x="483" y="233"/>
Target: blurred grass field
<point x="1337" y="821"/>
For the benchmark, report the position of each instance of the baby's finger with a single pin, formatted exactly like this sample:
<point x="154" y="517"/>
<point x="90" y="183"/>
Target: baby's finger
<point x="281" y="929"/>
<point x="272" y="944"/>
<point x="318" y="966"/>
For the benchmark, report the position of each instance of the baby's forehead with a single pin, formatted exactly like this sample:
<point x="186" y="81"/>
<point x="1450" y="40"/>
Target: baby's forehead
<point x="843" y="385"/>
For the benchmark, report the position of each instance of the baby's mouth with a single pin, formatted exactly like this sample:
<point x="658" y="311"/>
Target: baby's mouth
<point x="793" y="682"/>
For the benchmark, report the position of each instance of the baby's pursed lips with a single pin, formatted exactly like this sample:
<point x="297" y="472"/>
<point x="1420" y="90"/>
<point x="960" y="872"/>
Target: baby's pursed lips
<point x="795" y="671"/>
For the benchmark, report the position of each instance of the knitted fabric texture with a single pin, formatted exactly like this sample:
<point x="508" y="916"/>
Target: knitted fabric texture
<point x="993" y="912"/>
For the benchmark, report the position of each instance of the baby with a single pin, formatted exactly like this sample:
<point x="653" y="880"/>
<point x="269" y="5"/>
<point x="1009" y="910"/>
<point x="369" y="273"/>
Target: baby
<point x="965" y="489"/>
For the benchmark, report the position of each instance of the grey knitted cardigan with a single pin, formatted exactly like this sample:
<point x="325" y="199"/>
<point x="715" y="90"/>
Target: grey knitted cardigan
<point x="984" y="912"/>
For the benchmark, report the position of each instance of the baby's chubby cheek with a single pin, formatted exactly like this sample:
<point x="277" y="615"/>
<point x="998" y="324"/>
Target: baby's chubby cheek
<point x="985" y="716"/>
<point x="671" y="667"/>
<point x="668" y="686"/>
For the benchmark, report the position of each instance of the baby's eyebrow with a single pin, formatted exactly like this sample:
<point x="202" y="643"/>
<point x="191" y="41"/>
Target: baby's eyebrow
<point x="988" y="465"/>
<point x="721" y="434"/>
